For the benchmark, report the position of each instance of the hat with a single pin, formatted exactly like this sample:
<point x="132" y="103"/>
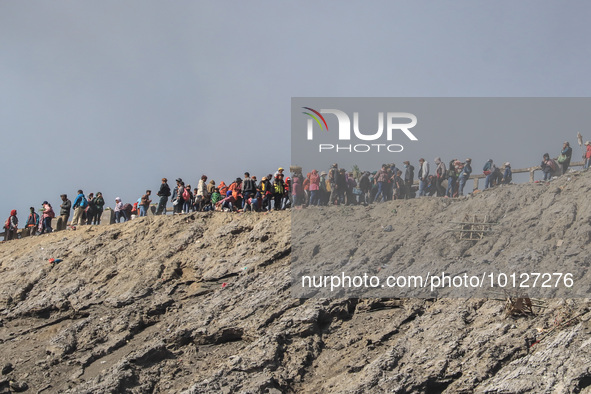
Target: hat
<point x="587" y="143"/>
<point x="179" y="180"/>
<point x="323" y="173"/>
<point x="117" y="199"/>
<point x="468" y="160"/>
<point x="280" y="169"/>
<point x="507" y="164"/>
<point x="264" y="178"/>
<point x="44" y="202"/>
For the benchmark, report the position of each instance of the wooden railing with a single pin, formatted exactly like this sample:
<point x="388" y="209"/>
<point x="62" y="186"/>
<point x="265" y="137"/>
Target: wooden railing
<point x="531" y="171"/>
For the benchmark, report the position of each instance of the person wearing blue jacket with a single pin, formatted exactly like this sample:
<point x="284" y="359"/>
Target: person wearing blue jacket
<point x="80" y="204"/>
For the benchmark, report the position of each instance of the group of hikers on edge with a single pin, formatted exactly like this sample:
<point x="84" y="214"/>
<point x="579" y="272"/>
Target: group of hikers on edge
<point x="277" y="192"/>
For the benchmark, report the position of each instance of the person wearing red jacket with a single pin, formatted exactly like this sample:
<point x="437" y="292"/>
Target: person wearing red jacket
<point x="11" y="226"/>
<point x="587" y="155"/>
<point x="314" y="187"/>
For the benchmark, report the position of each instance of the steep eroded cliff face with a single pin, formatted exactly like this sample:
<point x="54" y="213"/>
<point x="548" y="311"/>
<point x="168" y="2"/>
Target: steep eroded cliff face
<point x="203" y="303"/>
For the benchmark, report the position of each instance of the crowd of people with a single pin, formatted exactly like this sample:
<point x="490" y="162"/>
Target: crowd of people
<point x="278" y="191"/>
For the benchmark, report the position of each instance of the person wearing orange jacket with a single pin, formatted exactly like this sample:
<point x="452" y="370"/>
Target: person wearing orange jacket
<point x="223" y="188"/>
<point x="236" y="189"/>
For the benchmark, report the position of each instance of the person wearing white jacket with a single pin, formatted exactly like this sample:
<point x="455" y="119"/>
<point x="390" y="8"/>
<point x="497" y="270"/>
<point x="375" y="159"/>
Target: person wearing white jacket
<point x="423" y="176"/>
<point x="202" y="194"/>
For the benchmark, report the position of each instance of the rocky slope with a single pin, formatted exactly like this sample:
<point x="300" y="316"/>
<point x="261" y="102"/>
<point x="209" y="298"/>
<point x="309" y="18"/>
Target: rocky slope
<point x="203" y="303"/>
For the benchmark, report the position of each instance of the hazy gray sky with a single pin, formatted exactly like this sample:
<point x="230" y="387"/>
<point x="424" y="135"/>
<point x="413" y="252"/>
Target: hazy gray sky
<point x="113" y="95"/>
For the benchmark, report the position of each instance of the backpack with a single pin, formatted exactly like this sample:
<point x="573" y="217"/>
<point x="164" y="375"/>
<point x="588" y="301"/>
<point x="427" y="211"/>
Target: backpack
<point x="278" y="188"/>
<point x="186" y="195"/>
<point x="83" y="202"/>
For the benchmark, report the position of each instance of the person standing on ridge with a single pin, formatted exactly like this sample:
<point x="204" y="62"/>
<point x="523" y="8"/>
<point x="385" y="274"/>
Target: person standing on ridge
<point x="464" y="176"/>
<point x="11" y="226"/>
<point x="451" y="179"/>
<point x="548" y="167"/>
<point x="80" y="204"/>
<point x="177" y="196"/>
<point x="202" y="195"/>
<point x="587" y="155"/>
<point x="119" y="212"/>
<point x="423" y="176"/>
<point x="507" y="174"/>
<point x="409" y="178"/>
<point x="440" y="171"/>
<point x="279" y="190"/>
<point x="99" y="203"/>
<point x="380" y="179"/>
<point x="91" y="209"/>
<point x="266" y="189"/>
<point x="48" y="214"/>
<point x="249" y="188"/>
<point x="488" y="170"/>
<point x="565" y="156"/>
<point x="163" y="193"/>
<point x="314" y="187"/>
<point x="33" y="221"/>
<point x="332" y="181"/>
<point x="398" y="185"/>
<point x="145" y="203"/>
<point x="65" y="207"/>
